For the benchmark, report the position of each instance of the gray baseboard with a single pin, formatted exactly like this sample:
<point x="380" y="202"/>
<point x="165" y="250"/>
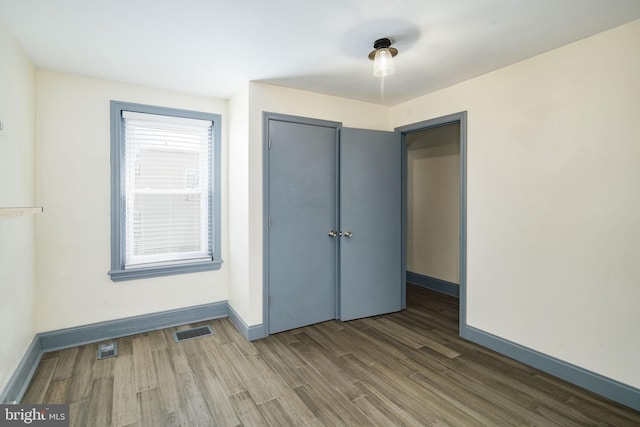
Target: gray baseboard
<point x="80" y="335"/>
<point x="251" y="333"/>
<point x="19" y="381"/>
<point x="434" y="284"/>
<point x="599" y="384"/>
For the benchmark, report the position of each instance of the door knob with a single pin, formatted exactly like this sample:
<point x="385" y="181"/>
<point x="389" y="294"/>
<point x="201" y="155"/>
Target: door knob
<point x="333" y="233"/>
<point x="347" y="234"/>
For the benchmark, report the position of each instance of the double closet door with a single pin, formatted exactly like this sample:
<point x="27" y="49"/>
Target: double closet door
<point x="334" y="230"/>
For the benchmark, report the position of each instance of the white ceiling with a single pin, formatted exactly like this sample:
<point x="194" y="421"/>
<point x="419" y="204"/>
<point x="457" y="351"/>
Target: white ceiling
<point x="213" y="47"/>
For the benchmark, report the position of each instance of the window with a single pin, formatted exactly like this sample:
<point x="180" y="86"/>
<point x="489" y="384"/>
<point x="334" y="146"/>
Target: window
<point x="165" y="193"/>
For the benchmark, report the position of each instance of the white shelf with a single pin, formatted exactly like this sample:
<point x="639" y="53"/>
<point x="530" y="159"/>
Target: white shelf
<point x="6" y="213"/>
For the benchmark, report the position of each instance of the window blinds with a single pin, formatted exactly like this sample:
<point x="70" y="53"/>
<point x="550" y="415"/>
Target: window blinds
<point x="168" y="189"/>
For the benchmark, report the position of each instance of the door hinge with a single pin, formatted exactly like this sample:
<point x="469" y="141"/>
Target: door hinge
<point x="269" y="222"/>
<point x="269" y="144"/>
<point x="269" y="300"/>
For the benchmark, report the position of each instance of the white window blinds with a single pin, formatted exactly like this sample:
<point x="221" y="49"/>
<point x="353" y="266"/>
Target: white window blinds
<point x="168" y="189"/>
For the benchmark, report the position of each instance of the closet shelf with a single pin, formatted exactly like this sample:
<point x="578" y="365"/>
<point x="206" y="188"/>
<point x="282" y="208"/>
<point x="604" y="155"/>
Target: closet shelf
<point x="6" y="213"/>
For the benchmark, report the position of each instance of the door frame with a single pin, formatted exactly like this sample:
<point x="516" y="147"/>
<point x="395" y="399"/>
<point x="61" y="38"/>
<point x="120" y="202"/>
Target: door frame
<point x="461" y="118"/>
<point x="266" y="285"/>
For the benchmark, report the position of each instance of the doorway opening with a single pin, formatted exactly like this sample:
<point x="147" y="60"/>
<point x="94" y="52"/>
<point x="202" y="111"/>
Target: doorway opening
<point x="434" y="206"/>
<point x="360" y="159"/>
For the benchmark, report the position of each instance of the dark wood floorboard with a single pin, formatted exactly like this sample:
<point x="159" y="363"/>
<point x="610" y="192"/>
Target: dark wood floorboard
<point x="407" y="369"/>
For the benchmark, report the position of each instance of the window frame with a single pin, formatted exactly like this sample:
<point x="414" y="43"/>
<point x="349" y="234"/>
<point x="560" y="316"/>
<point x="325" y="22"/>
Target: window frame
<point x="118" y="196"/>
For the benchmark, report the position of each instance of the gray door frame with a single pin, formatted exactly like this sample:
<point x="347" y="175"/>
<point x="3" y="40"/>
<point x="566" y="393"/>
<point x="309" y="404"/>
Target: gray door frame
<point x="266" y="117"/>
<point x="460" y="118"/>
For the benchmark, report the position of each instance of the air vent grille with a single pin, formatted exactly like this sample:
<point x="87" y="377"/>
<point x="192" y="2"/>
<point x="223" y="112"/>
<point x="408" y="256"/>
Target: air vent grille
<point x="107" y="350"/>
<point x="190" y="334"/>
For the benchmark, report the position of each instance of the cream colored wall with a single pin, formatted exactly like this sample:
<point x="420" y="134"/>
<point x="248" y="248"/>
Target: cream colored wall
<point x="553" y="200"/>
<point x="74" y="187"/>
<point x="433" y="203"/>
<point x="239" y="202"/>
<point x="17" y="188"/>
<point x="275" y="99"/>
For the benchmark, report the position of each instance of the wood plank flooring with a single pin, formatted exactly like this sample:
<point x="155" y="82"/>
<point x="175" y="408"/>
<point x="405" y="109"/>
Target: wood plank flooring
<point x="408" y="368"/>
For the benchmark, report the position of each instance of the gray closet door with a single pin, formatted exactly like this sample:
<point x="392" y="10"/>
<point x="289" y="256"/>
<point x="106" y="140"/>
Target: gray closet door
<point x="309" y="266"/>
<point x="371" y="223"/>
<point x="302" y="207"/>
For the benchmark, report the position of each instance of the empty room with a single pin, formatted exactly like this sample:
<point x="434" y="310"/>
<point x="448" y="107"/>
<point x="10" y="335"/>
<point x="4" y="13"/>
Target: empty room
<point x="350" y="212"/>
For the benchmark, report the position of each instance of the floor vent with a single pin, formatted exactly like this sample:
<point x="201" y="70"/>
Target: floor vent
<point x="190" y="334"/>
<point x="107" y="350"/>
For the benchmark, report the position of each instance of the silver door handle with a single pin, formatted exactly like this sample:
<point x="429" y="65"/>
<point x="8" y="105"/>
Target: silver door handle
<point x="333" y="233"/>
<point x="347" y="234"/>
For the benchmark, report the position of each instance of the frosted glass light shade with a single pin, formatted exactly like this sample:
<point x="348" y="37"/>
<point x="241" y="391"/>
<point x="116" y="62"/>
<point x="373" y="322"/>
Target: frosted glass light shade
<point x="383" y="63"/>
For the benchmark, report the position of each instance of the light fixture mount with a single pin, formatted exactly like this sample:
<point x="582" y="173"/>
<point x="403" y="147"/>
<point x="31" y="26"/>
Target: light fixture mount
<point x="383" y="43"/>
<point x="382" y="58"/>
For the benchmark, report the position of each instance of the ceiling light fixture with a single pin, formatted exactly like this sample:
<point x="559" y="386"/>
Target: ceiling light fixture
<point x="382" y="58"/>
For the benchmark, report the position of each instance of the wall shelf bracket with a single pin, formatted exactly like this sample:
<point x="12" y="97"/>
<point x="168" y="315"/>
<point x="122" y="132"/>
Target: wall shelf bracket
<point x="6" y="213"/>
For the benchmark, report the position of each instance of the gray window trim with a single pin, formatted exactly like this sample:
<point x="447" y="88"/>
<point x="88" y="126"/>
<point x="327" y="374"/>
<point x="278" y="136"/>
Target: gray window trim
<point x="117" y="272"/>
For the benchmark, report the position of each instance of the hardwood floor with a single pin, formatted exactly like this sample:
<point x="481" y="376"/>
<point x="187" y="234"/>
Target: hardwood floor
<point x="408" y="368"/>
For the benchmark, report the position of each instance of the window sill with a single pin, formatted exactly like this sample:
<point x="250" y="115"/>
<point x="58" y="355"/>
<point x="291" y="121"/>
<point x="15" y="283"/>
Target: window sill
<point x="168" y="270"/>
